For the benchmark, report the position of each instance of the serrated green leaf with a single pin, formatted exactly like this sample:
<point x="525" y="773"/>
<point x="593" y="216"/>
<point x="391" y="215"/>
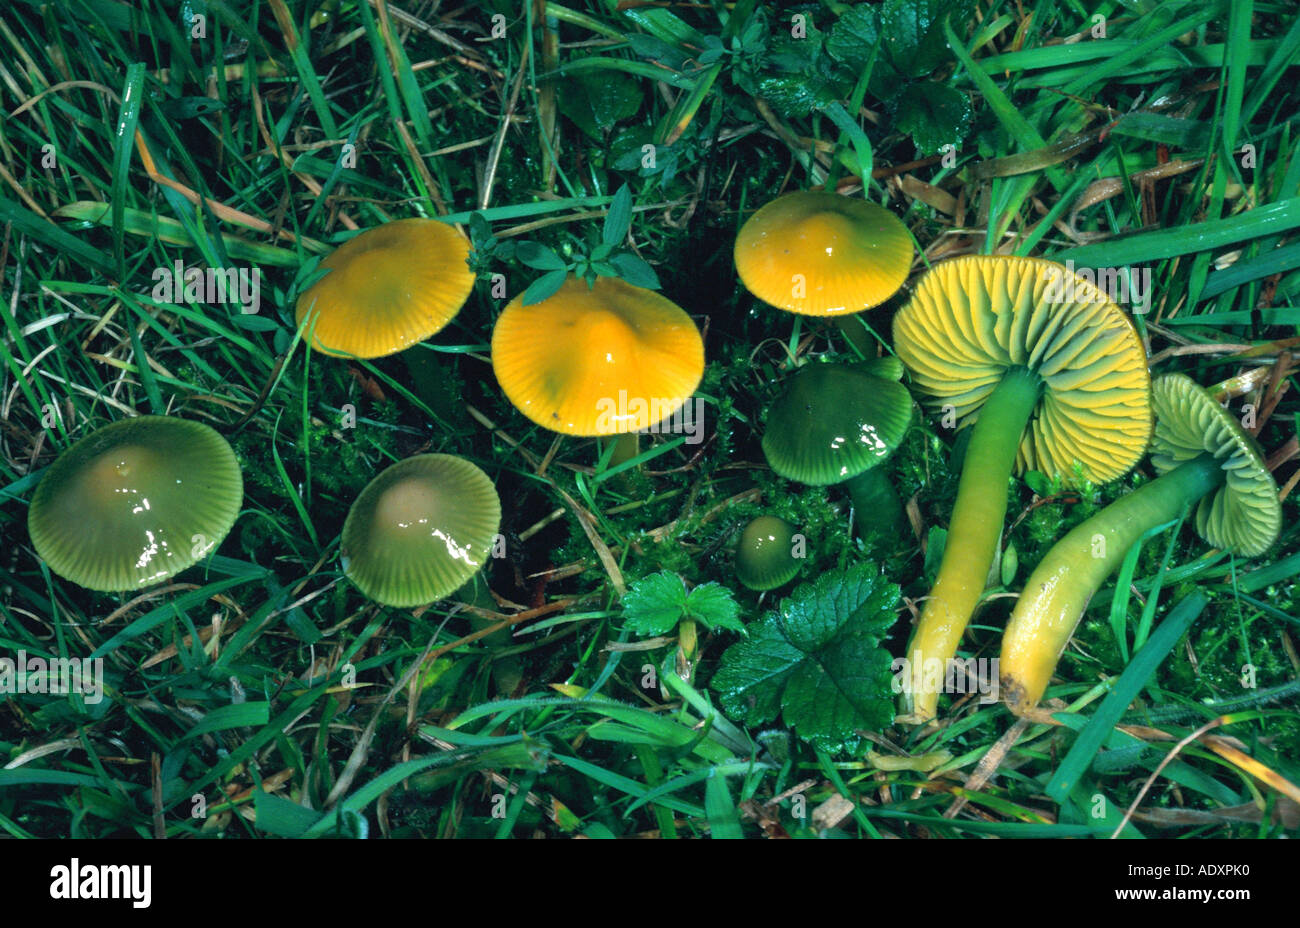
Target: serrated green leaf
<point x="854" y="36"/>
<point x="654" y="604"/>
<point x="795" y="97"/>
<point x="915" y="29"/>
<point x="713" y="604"/>
<point x="816" y="661"/>
<point x="597" y="101"/>
<point x="934" y="115"/>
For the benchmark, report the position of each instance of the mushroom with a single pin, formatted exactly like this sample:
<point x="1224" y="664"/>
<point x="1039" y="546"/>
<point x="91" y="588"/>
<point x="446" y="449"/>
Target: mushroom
<point x="1051" y="384"/>
<point x="388" y="288"/>
<point x="135" y="502"/>
<point x="601" y="360"/>
<point x="765" y="556"/>
<point x="822" y="254"/>
<point x="833" y="424"/>
<point x="1202" y="454"/>
<point x="420" y="530"/>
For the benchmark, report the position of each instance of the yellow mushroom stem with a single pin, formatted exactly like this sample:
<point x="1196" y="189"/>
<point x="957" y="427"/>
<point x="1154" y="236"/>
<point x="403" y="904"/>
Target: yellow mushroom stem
<point x="1059" y="589"/>
<point x="973" y="535"/>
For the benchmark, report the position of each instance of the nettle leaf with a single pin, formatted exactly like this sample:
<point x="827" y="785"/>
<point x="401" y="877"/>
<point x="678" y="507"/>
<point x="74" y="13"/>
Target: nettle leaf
<point x="854" y="35"/>
<point x="816" y="660"/>
<point x="934" y="115"/>
<point x="852" y="40"/>
<point x="917" y="44"/>
<point x="656" y="603"/>
<point x="596" y="102"/>
<point x="792" y="55"/>
<point x="795" y="97"/>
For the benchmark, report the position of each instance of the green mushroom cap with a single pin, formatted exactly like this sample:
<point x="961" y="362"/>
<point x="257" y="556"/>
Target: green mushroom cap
<point x="420" y="530"/>
<point x="1242" y="515"/>
<point x="135" y="503"/>
<point x="764" y="557"/>
<point x="834" y="421"/>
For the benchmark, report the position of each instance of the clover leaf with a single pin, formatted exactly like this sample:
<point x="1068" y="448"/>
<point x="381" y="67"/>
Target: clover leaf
<point x="816" y="661"/>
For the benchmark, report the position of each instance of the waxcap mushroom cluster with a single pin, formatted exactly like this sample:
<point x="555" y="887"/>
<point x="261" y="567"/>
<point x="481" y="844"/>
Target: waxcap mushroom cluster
<point x="1058" y="386"/>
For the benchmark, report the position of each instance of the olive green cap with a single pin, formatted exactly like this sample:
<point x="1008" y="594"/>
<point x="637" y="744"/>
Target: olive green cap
<point x="135" y="503"/>
<point x="764" y="557"/>
<point x="420" y="530"/>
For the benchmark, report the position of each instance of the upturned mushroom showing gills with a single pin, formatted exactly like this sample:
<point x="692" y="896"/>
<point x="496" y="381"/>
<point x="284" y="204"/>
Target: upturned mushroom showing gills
<point x="388" y="288"/>
<point x="822" y="254"/>
<point x="135" y="502"/>
<point x="420" y="530"/>
<point x="601" y="360"/>
<point x="834" y="424"/>
<point x="1205" y="459"/>
<point x="1051" y="385"/>
<point x="765" y="556"/>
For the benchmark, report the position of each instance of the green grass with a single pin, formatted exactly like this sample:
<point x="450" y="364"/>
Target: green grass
<point x="127" y="144"/>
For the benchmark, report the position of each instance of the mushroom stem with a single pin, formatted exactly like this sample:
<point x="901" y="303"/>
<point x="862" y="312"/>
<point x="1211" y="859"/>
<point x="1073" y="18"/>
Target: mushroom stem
<point x="973" y="532"/>
<point x="876" y="506"/>
<point x="855" y="331"/>
<point x="626" y="447"/>
<point x="1062" y="584"/>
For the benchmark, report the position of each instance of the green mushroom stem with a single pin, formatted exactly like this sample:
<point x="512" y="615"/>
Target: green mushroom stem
<point x="506" y="671"/>
<point x="876" y="506"/>
<point x="626" y="447"/>
<point x="1073" y="570"/>
<point x="975" y="528"/>
<point x="856" y="333"/>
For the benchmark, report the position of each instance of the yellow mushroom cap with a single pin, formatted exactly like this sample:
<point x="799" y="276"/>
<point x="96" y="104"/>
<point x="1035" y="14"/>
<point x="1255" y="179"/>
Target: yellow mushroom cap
<point x="821" y="254"/>
<point x="1243" y="515"/>
<point x="388" y="288"/>
<point x="972" y="319"/>
<point x="603" y="360"/>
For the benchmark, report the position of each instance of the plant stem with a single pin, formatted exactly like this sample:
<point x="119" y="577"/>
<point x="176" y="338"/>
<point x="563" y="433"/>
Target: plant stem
<point x="973" y="532"/>
<point x="1060" y="587"/>
<point x="876" y="506"/>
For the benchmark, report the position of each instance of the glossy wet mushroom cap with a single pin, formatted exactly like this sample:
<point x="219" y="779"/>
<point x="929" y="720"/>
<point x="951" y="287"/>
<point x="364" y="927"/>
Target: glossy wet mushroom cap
<point x="765" y="556"/>
<point x="420" y="530"/>
<point x="972" y="320"/>
<point x="135" y="502"/>
<point x="1243" y="515"/>
<point x="388" y="288"/>
<point x="822" y="254"/>
<point x="835" y="421"/>
<point x="603" y="360"/>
